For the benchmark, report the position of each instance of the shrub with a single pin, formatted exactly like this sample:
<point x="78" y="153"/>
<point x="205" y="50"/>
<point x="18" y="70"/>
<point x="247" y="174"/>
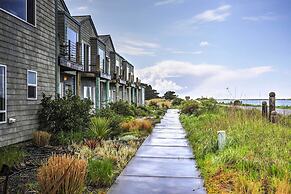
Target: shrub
<point x="100" y="172"/>
<point x="69" y="137"/>
<point x="177" y="101"/>
<point x="41" y="138"/>
<point x="208" y="104"/>
<point x="191" y="107"/>
<point x="122" y="108"/>
<point x="118" y="153"/>
<point x="62" y="174"/>
<point x="91" y="143"/>
<point x="114" y="119"/>
<point x="69" y="113"/>
<point x="99" y="128"/>
<point x="11" y="156"/>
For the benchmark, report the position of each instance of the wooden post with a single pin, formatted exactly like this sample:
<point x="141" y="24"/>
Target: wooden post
<point x="274" y="117"/>
<point x="221" y="139"/>
<point x="264" y="109"/>
<point x="272" y="103"/>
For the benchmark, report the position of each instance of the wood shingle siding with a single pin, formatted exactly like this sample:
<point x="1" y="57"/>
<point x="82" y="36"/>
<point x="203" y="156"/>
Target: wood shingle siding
<point x="25" y="47"/>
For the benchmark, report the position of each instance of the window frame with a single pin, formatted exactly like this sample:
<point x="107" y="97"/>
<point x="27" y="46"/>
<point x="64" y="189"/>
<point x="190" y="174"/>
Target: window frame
<point x="23" y="20"/>
<point x="5" y="89"/>
<point x="34" y="85"/>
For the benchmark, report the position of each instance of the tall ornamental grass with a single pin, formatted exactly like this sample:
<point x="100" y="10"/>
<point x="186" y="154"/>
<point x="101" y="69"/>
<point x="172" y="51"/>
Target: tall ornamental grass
<point x="256" y="158"/>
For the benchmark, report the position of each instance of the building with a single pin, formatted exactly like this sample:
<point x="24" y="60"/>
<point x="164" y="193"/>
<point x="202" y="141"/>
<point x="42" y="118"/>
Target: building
<point x="27" y="65"/>
<point x="44" y="49"/>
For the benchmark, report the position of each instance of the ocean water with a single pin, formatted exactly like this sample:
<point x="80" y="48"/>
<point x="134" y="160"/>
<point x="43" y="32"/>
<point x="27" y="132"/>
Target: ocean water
<point x="258" y="102"/>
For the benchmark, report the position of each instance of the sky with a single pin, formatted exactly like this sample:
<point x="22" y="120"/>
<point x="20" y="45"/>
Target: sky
<point x="210" y="48"/>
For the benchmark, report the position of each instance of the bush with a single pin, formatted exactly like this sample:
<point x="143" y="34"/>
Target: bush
<point x="191" y="107"/>
<point x="114" y="119"/>
<point x="67" y="138"/>
<point x="69" y="113"/>
<point x="177" y="101"/>
<point x="100" y="172"/>
<point x="11" y="156"/>
<point x="99" y="128"/>
<point x="122" y="108"/>
<point x="62" y="174"/>
<point x="41" y="138"/>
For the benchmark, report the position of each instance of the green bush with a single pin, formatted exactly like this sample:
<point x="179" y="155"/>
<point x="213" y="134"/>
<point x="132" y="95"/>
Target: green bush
<point x="122" y="108"/>
<point x="142" y="111"/>
<point x="114" y="119"/>
<point x="69" y="137"/>
<point x="100" y="172"/>
<point x="191" y="107"/>
<point x="209" y="104"/>
<point x="10" y="156"/>
<point x="69" y="113"/>
<point x="99" y="128"/>
<point x="177" y="101"/>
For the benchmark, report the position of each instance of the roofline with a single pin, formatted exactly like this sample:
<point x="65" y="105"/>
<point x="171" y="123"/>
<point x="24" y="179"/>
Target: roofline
<point x="110" y="40"/>
<point x="65" y="6"/>
<point x="88" y="17"/>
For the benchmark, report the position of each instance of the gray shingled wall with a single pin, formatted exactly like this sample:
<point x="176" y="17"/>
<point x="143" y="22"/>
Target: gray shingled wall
<point x="24" y="47"/>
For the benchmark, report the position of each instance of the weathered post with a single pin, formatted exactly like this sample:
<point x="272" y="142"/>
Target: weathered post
<point x="221" y="139"/>
<point x="272" y="103"/>
<point x="264" y="109"/>
<point x="274" y="117"/>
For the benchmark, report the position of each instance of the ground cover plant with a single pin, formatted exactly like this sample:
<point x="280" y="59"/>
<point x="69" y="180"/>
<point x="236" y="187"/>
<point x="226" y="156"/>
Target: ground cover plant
<point x="256" y="158"/>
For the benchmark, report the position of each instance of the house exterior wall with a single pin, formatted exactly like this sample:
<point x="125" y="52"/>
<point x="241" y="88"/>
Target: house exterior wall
<point x="25" y="47"/>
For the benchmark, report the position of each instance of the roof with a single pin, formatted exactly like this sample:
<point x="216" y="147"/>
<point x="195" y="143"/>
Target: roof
<point x="107" y="39"/>
<point x="84" y="18"/>
<point x="65" y="6"/>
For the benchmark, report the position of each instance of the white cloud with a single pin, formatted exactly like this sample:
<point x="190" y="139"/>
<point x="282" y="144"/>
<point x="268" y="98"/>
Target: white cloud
<point x="166" y="2"/>
<point x="188" y="52"/>
<point x="267" y="17"/>
<point x="204" y="44"/>
<point x="136" y="47"/>
<point x="82" y="8"/>
<point x="213" y="15"/>
<point x="161" y="75"/>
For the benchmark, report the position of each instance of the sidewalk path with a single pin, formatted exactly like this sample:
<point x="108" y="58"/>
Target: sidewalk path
<point x="164" y="164"/>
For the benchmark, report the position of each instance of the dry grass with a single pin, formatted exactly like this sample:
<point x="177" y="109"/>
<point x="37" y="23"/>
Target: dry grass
<point x="143" y="125"/>
<point x="41" y="138"/>
<point x="159" y="102"/>
<point x="61" y="175"/>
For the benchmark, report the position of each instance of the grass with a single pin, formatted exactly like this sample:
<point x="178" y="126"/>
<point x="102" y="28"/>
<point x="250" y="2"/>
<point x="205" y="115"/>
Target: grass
<point x="11" y="155"/>
<point x="255" y="159"/>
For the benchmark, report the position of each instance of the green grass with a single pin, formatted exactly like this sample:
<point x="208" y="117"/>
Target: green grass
<point x="11" y="155"/>
<point x="256" y="158"/>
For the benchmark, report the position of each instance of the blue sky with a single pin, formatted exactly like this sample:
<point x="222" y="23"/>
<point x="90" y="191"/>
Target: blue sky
<point x="201" y="47"/>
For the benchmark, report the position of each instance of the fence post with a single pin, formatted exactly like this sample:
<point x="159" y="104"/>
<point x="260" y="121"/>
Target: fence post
<point x="264" y="109"/>
<point x="221" y="139"/>
<point x="272" y="103"/>
<point x="274" y="117"/>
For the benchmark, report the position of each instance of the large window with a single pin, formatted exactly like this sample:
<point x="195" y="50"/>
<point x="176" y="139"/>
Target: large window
<point x="72" y="38"/>
<point x="86" y="56"/>
<point x="102" y="60"/>
<point x="31" y="85"/>
<point x="23" y="9"/>
<point x="3" y="96"/>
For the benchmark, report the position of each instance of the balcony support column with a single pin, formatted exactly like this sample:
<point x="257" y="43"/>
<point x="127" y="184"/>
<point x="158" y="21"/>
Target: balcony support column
<point x="129" y="94"/>
<point x="78" y="83"/>
<point x="117" y="92"/>
<point x="97" y="95"/>
<point x="107" y="92"/>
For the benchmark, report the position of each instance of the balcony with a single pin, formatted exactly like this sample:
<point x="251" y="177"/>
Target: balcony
<point x="69" y="55"/>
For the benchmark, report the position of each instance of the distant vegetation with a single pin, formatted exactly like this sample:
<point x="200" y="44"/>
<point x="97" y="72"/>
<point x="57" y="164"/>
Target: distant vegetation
<point x="256" y="158"/>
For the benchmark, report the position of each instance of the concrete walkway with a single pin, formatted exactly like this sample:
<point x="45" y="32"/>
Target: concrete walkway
<point x="164" y="164"/>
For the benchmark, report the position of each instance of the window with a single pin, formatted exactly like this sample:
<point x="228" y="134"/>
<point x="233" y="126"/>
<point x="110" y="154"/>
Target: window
<point x="86" y="56"/>
<point x="102" y="60"/>
<point x="31" y="85"/>
<point x="89" y="93"/>
<point x="3" y="94"/>
<point x="23" y="9"/>
<point x="72" y="38"/>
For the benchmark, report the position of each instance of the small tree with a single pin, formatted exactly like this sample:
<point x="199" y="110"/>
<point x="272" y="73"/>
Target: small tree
<point x="170" y="95"/>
